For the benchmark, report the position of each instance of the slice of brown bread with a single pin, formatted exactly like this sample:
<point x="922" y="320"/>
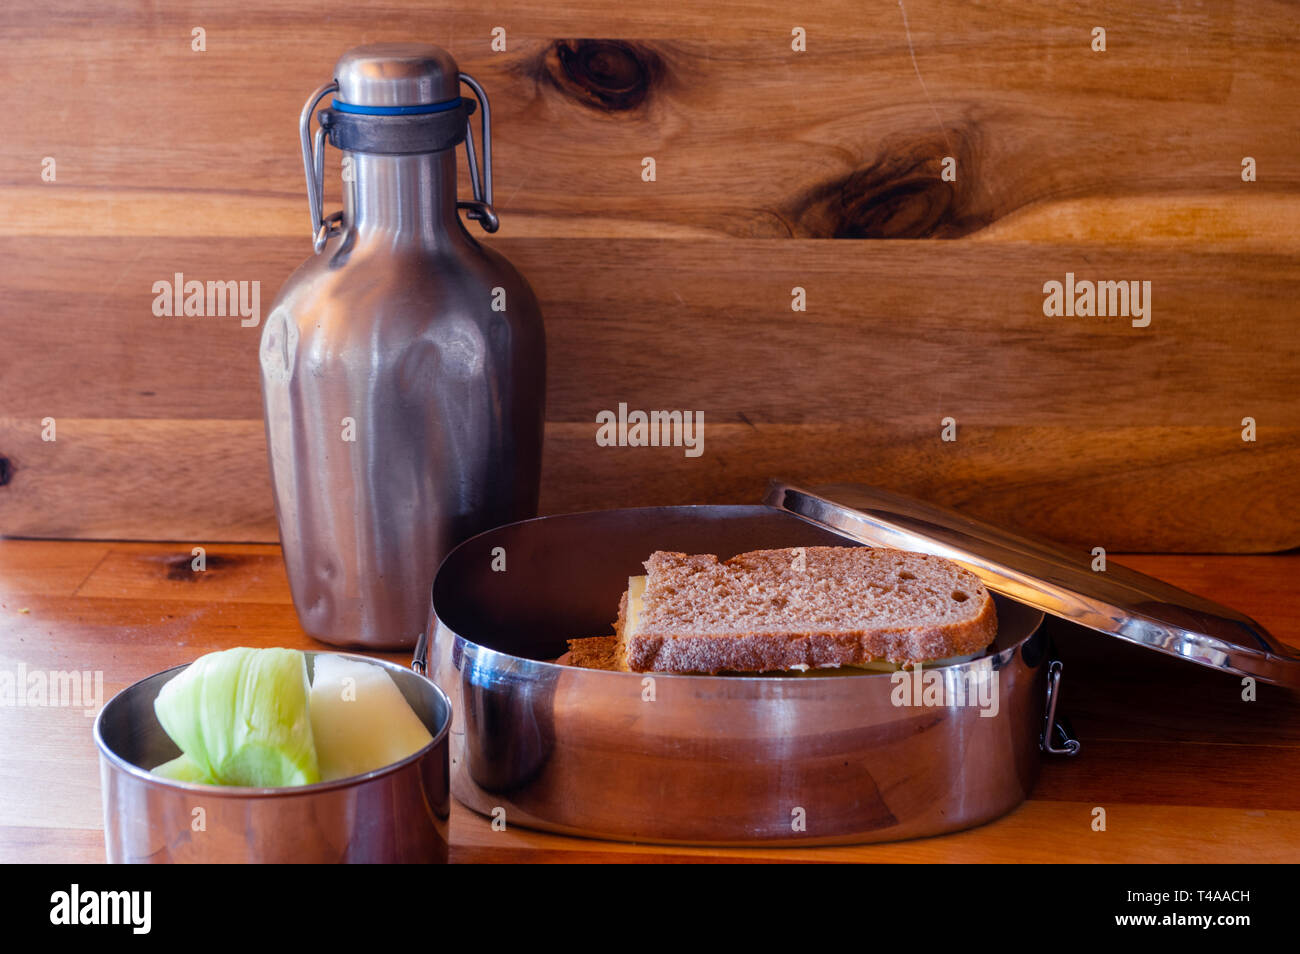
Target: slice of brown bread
<point x="592" y="652"/>
<point x="772" y="610"/>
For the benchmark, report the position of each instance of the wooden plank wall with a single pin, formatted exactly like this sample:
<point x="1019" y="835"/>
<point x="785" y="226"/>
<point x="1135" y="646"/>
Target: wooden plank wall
<point x="774" y="169"/>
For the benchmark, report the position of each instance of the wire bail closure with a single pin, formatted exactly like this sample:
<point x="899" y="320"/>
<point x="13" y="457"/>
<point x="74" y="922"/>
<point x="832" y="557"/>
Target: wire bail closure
<point x="1054" y="727"/>
<point x="479" y="209"/>
<point x="313" y="162"/>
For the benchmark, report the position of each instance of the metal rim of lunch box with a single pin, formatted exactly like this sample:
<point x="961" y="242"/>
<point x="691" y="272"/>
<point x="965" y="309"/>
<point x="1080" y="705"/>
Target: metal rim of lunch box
<point x="282" y="791"/>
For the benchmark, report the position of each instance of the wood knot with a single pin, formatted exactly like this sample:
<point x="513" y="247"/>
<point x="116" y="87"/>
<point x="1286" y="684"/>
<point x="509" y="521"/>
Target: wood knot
<point x="902" y="194"/>
<point x="609" y="75"/>
<point x="6" y="471"/>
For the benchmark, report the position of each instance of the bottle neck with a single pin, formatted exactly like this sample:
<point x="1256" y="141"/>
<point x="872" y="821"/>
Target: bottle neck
<point x="403" y="199"/>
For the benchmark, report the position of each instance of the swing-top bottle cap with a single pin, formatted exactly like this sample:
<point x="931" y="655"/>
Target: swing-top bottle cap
<point x="388" y="78"/>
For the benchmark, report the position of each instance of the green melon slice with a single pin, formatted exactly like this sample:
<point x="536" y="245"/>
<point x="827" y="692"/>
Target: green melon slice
<point x="242" y="717"/>
<point x="184" y="769"/>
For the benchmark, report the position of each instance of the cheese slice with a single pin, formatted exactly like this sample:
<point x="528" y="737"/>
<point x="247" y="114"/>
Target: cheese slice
<point x="635" y="600"/>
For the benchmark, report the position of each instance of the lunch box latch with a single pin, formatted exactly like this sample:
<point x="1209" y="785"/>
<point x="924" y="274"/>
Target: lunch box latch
<point x="1055" y="730"/>
<point x="421" y="654"/>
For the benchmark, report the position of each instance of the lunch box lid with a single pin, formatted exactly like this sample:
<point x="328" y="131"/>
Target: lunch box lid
<point x="1055" y="579"/>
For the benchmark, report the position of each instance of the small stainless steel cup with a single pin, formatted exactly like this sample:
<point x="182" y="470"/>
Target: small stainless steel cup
<point x="394" y="814"/>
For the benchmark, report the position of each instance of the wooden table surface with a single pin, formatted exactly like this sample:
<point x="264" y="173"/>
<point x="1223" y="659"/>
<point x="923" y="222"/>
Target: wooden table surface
<point x="1185" y="769"/>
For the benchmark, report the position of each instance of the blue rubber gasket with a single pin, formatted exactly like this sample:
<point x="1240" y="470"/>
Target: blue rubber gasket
<point x="396" y="110"/>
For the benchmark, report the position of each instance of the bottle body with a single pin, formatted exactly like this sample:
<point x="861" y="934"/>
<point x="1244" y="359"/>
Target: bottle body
<point x="403" y="382"/>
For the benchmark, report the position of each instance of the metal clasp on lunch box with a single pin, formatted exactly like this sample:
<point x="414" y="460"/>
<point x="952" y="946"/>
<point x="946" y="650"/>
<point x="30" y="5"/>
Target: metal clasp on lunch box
<point x="1052" y="729"/>
<point x="418" y="658"/>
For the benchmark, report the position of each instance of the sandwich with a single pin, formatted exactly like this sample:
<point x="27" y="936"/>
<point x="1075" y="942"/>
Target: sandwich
<point x="794" y="611"/>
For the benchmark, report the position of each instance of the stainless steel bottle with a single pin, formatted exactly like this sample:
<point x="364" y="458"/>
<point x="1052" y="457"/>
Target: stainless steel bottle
<point x="403" y="366"/>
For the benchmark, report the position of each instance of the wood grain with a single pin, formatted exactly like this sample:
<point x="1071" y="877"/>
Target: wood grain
<point x="1139" y="446"/>
<point x="1117" y="165"/>
<point x="852" y="130"/>
<point x="1037" y="832"/>
<point x="895" y="333"/>
<point x="1196" y="488"/>
<point x="1185" y="769"/>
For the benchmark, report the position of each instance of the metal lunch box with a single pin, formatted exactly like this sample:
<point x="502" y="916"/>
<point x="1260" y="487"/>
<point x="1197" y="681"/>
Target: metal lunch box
<point x="736" y="760"/>
<point x="703" y="759"/>
<point x="397" y="813"/>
